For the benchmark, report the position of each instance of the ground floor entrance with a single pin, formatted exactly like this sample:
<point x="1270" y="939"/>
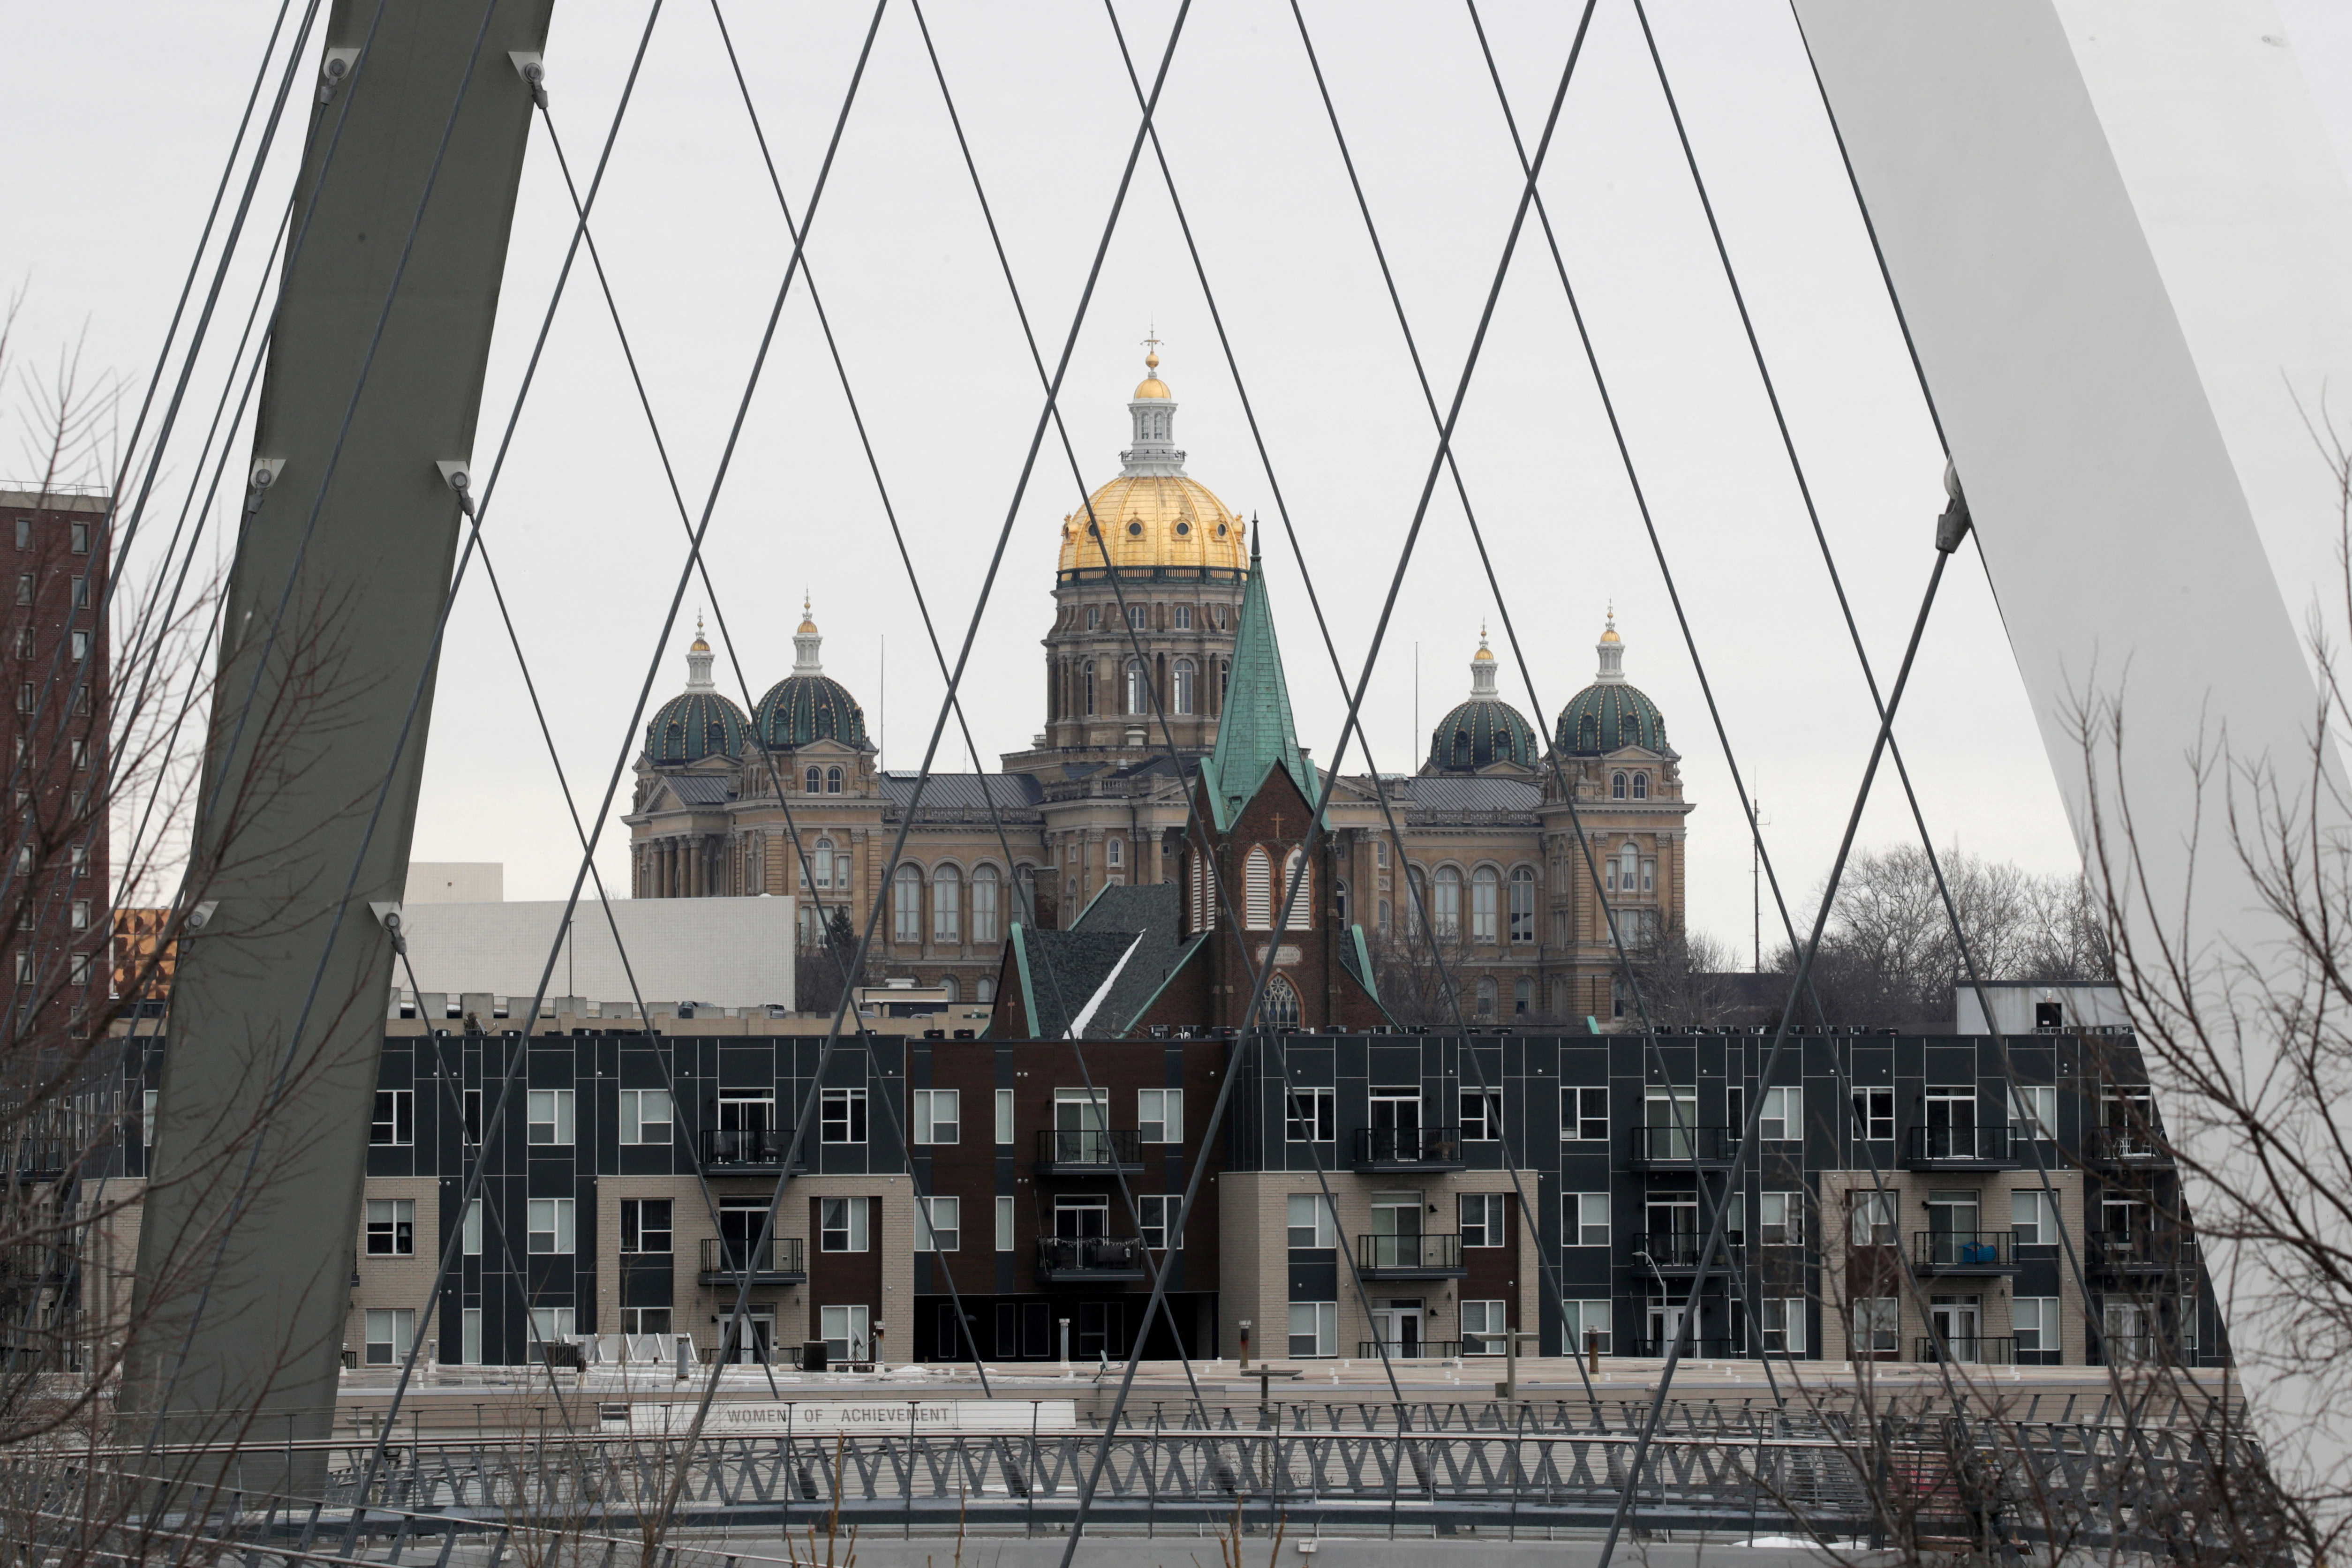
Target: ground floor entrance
<point x="1088" y="1329"/>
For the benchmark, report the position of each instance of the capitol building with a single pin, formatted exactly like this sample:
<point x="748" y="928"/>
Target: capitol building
<point x="1150" y="582"/>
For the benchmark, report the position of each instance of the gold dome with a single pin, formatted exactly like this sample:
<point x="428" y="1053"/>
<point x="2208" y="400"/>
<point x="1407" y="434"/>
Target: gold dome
<point x="1153" y="386"/>
<point x="1157" y="519"/>
<point x="1609" y="633"/>
<point x="700" y="645"/>
<point x="807" y="624"/>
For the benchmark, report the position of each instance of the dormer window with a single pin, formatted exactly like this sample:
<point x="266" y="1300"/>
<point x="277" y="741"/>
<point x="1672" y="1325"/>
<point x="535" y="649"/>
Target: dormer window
<point x="833" y="781"/>
<point x="815" y="780"/>
<point x="1617" y="785"/>
<point x="1641" y="786"/>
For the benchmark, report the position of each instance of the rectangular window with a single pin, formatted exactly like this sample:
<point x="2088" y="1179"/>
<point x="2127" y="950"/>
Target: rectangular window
<point x="391" y="1227"/>
<point x="1312" y="1223"/>
<point x="842" y="1225"/>
<point x="551" y="1223"/>
<point x="1783" y="1121"/>
<point x="551" y="1325"/>
<point x="644" y="1320"/>
<point x="1781" y="1219"/>
<point x="1483" y="1328"/>
<point x="81" y="914"/>
<point x="845" y="1339"/>
<point x="391" y="1333"/>
<point x="81" y="593"/>
<point x="1584" y="1219"/>
<point x="1159" y="1115"/>
<point x="1873" y="1115"/>
<point x="645" y="1224"/>
<point x="1875" y="1321"/>
<point x="470" y="1229"/>
<point x="2035" y="1320"/>
<point x="473" y="1110"/>
<point x="2033" y="1217"/>
<point x="2034" y="1111"/>
<point x="25" y="587"/>
<point x="395" y="1117"/>
<point x="1315" y="1328"/>
<point x="1782" y="1319"/>
<point x="1584" y="1114"/>
<point x="1482" y="1218"/>
<point x="1004" y="1116"/>
<point x="1586" y="1326"/>
<point x="23" y="533"/>
<point x="1313" y="1117"/>
<point x="936" y="1116"/>
<point x="1874" y="1218"/>
<point x="938" y="1225"/>
<point x="550" y="1116"/>
<point x="843" y="1117"/>
<point x="1482" y="1116"/>
<point x="1161" y="1233"/>
<point x="148" y="1100"/>
<point x="80" y="642"/>
<point x="1004" y="1216"/>
<point x="78" y="533"/>
<point x="469" y="1337"/>
<point x="645" y="1116"/>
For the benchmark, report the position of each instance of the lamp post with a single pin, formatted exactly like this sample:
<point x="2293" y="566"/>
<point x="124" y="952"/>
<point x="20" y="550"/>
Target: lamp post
<point x="1509" y="1388"/>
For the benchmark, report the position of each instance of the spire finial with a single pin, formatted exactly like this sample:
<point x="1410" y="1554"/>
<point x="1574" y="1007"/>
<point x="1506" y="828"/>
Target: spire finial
<point x="1151" y="343"/>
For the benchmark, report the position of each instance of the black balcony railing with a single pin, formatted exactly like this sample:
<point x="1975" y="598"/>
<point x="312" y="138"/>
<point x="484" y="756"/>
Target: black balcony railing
<point x="2124" y="1147"/>
<point x="1678" y="1249"/>
<point x="1422" y="1257"/>
<point x="1682" y="1145"/>
<point x="1693" y="1349"/>
<point x="2133" y="1349"/>
<point x="1408" y="1148"/>
<point x="1964" y="1251"/>
<point x="748" y="1147"/>
<point x="1991" y="1350"/>
<point x="2142" y="1251"/>
<point x="1090" y="1257"/>
<point x="1094" y="1149"/>
<point x="1981" y="1146"/>
<point x="1420" y="1349"/>
<point x="729" y="1258"/>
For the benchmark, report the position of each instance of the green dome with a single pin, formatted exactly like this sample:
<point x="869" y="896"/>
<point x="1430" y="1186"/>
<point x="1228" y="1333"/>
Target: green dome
<point x="799" y="710"/>
<point x="1606" y="716"/>
<point x="693" y="726"/>
<point x="1479" y="734"/>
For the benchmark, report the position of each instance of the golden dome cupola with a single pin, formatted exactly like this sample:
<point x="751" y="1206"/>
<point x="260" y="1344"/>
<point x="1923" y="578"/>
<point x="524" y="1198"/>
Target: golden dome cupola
<point x="1154" y="514"/>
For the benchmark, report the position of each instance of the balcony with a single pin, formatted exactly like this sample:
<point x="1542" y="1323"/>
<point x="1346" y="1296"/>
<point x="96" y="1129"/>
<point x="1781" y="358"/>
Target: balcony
<point x="725" y="1261"/>
<point x="1408" y="1149"/>
<point x="1410" y="1258"/>
<point x="1676" y="1251"/>
<point x="1422" y="1349"/>
<point x="1089" y="1259"/>
<point x="748" y="1151"/>
<point x="2140" y="1253"/>
<point x="2124" y="1147"/>
<point x="1988" y="1350"/>
<point x="1984" y="1148"/>
<point x="1964" y="1252"/>
<point x="1678" y="1148"/>
<point x="1098" y="1150"/>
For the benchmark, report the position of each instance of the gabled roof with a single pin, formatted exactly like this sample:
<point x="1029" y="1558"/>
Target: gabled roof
<point x="694" y="790"/>
<point x="1255" y="733"/>
<point x="1128" y="937"/>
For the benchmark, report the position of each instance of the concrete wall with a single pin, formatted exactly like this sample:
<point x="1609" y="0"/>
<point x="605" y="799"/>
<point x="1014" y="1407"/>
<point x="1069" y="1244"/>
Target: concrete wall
<point x="727" y="952"/>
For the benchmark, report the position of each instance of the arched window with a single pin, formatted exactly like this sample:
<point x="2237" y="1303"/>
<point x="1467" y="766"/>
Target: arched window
<point x="812" y="922"/>
<point x="1114" y="851"/>
<point x="1523" y="995"/>
<point x="946" y="905"/>
<point x="821" y="863"/>
<point x="1184" y="683"/>
<point x="1138" y="686"/>
<point x="1280" y="1010"/>
<point x="1641" y="786"/>
<point x="1184" y="612"/>
<point x="1294" y="875"/>
<point x="954" y="991"/>
<point x="1087" y="677"/>
<point x="1257" y="889"/>
<point x="1523" y="903"/>
<point x="1616" y="786"/>
<point x="815" y="779"/>
<point x="985" y="990"/>
<point x="1628" y="866"/>
<point x="755" y="865"/>
<point x="1416" y="906"/>
<point x="1388" y="918"/>
<point x="1484" y="883"/>
<point x="833" y="781"/>
<point x="1461" y="748"/>
<point x="1340" y="901"/>
<point x="1447" y="911"/>
<point x="907" y="905"/>
<point x="985" y="888"/>
<point x="1486" y="999"/>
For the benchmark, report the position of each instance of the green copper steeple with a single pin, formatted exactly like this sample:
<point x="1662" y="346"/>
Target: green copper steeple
<point x="1255" y="732"/>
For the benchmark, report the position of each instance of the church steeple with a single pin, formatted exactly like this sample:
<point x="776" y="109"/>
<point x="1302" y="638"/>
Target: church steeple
<point x="1257" y="732"/>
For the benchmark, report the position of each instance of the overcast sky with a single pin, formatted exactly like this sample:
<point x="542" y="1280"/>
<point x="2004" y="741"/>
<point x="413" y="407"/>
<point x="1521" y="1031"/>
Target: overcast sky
<point x="119" y="114"/>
